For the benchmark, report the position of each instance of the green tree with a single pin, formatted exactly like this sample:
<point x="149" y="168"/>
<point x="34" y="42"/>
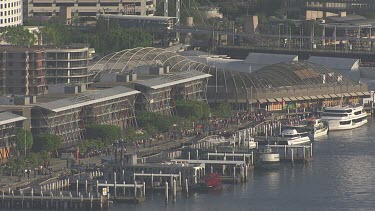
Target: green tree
<point x="115" y="38"/>
<point x="34" y="159"/>
<point x="108" y="134"/>
<point x="46" y="142"/>
<point x="158" y="121"/>
<point x="192" y="109"/>
<point x="16" y="165"/>
<point x="56" y="33"/>
<point x="223" y="110"/>
<point x="18" y="35"/>
<point x="24" y="140"/>
<point x="45" y="156"/>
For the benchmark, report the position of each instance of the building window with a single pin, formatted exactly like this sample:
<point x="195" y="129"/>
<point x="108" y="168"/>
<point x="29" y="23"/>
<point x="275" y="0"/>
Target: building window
<point x="109" y="4"/>
<point x="42" y="4"/>
<point x="86" y="4"/>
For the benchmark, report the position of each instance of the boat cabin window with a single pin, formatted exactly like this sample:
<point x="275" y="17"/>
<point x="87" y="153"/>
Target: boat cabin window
<point x="348" y="111"/>
<point x="357" y="112"/>
<point x="291" y="135"/>
<point x="359" y="120"/>
<point x="346" y="122"/>
<point x="335" y="115"/>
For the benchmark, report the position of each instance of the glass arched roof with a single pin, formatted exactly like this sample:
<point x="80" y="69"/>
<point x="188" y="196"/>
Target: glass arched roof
<point x="286" y="75"/>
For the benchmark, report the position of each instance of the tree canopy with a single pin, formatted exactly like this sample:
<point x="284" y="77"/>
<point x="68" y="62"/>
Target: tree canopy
<point x="18" y="35"/>
<point x="46" y="142"/>
<point x="89" y="145"/>
<point x="108" y="134"/>
<point x="223" y="110"/>
<point x="115" y="38"/>
<point x="56" y="33"/>
<point x="104" y="38"/>
<point x="24" y="139"/>
<point x="192" y="109"/>
<point x="158" y="121"/>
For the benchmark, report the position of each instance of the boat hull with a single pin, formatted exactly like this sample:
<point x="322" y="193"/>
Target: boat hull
<point x="334" y="125"/>
<point x="302" y="140"/>
<point x="319" y="133"/>
<point x="270" y="158"/>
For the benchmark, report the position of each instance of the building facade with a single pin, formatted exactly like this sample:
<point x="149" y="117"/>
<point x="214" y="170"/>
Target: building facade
<point x="159" y="94"/>
<point x="22" y="71"/>
<point x="9" y="125"/>
<point x="10" y="13"/>
<point x="91" y="8"/>
<point x="68" y="117"/>
<point x="67" y="65"/>
<point x="313" y="9"/>
<point x="28" y="71"/>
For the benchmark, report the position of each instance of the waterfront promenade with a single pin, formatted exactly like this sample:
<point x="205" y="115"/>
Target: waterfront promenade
<point x="215" y="126"/>
<point x="218" y="127"/>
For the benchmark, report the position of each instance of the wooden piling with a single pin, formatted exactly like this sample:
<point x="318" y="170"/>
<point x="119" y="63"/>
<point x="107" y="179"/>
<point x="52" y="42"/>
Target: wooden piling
<point x="166" y="192"/>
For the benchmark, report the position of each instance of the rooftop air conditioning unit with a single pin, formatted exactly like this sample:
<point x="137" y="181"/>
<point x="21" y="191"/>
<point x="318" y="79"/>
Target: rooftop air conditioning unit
<point x="323" y="77"/>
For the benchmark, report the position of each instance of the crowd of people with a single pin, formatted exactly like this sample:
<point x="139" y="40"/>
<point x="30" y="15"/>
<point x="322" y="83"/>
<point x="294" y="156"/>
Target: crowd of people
<point x="209" y="126"/>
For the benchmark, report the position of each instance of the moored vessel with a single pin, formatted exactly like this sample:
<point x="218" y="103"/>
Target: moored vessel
<point x="344" y="117"/>
<point x="293" y="135"/>
<point x="316" y="127"/>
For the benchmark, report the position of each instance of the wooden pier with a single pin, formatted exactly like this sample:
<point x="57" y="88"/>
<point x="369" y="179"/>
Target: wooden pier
<point x="51" y="201"/>
<point x="293" y="153"/>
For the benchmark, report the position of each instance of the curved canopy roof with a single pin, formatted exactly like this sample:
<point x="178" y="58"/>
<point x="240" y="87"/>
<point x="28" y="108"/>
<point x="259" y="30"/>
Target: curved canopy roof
<point x="286" y="75"/>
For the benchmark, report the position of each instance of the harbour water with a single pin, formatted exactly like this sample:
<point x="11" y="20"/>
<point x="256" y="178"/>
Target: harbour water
<point x="341" y="177"/>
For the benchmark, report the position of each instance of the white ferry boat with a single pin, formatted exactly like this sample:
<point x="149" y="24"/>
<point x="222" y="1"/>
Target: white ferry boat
<point x="292" y="135"/>
<point x="317" y="127"/>
<point x="344" y="118"/>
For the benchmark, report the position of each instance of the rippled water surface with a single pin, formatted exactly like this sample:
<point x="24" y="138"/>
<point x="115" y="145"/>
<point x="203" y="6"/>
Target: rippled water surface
<point x="341" y="177"/>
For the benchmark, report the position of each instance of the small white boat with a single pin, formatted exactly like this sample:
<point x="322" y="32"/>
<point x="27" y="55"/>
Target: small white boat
<point x="269" y="157"/>
<point x="252" y="144"/>
<point x="292" y="136"/>
<point x="317" y="127"/>
<point x="344" y="117"/>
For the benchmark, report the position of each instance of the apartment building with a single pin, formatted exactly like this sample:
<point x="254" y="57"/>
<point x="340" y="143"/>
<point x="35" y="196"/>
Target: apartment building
<point x="29" y="70"/>
<point x="313" y="9"/>
<point x="22" y="71"/>
<point x="67" y="65"/>
<point x="10" y="13"/>
<point x="90" y="8"/>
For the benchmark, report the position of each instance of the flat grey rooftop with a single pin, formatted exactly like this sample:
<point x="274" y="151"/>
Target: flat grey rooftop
<point x="7" y="117"/>
<point x="88" y="99"/>
<point x="170" y="80"/>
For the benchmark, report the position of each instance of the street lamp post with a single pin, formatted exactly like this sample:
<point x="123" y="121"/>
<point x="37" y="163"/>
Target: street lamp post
<point x="116" y="146"/>
<point x="25" y="144"/>
<point x="233" y="33"/>
<point x="122" y="150"/>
